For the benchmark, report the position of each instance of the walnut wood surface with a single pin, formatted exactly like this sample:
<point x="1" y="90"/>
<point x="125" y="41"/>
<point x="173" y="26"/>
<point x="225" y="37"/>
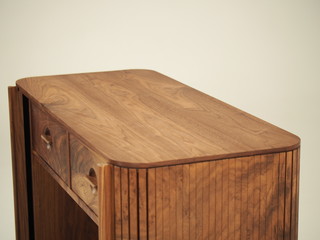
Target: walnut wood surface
<point x="141" y="118"/>
<point x="19" y="166"/>
<point x="106" y="202"/>
<point x="67" y="188"/>
<point x="246" y="198"/>
<point x="83" y="161"/>
<point x="56" y="215"/>
<point x="57" y="155"/>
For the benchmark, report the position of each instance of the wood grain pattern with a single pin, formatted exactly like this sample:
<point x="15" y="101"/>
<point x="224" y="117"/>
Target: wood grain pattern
<point x="143" y="204"/>
<point x="125" y="204"/>
<point x="118" y="203"/>
<point x="288" y="197"/>
<point x="133" y="203"/>
<point x="106" y="202"/>
<point x="55" y="212"/>
<point x="159" y="202"/>
<point x="67" y="189"/>
<point x="235" y="199"/>
<point x="57" y="155"/>
<point x="148" y="119"/>
<point x="19" y="166"/>
<point x="146" y="157"/>
<point x="185" y="201"/>
<point x="84" y="166"/>
<point x="151" y="201"/>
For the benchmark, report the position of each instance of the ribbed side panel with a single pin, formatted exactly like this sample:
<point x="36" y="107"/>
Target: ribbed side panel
<point x="231" y="199"/>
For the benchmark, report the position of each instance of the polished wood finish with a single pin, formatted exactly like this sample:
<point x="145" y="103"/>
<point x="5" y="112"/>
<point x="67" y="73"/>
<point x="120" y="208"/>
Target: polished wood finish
<point x="148" y="119"/>
<point x="239" y="198"/>
<point x="84" y="173"/>
<point x="56" y="215"/>
<point x="50" y="140"/>
<point x="106" y="202"/>
<point x="19" y="166"/>
<point x="137" y="155"/>
<point x="67" y="189"/>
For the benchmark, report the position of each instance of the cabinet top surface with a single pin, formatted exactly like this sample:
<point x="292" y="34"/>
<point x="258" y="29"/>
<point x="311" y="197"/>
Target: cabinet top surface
<point x="141" y="118"/>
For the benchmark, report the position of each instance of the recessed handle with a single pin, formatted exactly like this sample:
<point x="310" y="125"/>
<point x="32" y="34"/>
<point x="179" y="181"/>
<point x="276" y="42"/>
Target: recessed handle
<point x="92" y="180"/>
<point x="46" y="137"/>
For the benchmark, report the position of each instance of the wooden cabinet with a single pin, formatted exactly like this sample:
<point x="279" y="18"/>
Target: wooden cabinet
<point x="134" y="154"/>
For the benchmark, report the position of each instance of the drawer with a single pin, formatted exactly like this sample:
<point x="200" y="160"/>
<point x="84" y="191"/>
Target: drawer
<point x="50" y="141"/>
<point x="84" y="173"/>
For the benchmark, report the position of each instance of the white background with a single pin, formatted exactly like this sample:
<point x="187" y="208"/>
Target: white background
<point x="260" y="56"/>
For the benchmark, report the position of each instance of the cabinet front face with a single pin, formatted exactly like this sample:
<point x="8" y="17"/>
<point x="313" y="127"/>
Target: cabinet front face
<point x="239" y="198"/>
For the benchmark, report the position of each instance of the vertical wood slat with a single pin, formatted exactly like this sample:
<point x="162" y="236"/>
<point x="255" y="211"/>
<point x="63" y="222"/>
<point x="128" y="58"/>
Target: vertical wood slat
<point x="244" y="198"/>
<point x="256" y="198"/>
<point x="199" y="200"/>
<point x="186" y="202"/>
<point x="288" y="197"/>
<point x="295" y="237"/>
<point x="241" y="198"/>
<point x="152" y="203"/>
<point x="251" y="184"/>
<point x="166" y="202"/>
<point x="106" y="202"/>
<point x="225" y="200"/>
<point x="237" y="215"/>
<point x="133" y="203"/>
<point x="231" y="195"/>
<point x="212" y="200"/>
<point x="125" y="204"/>
<point x="143" y="218"/>
<point x="172" y="220"/>
<point x="192" y="206"/>
<point x="294" y="209"/>
<point x="263" y="197"/>
<point x="19" y="167"/>
<point x="281" y="195"/>
<point x="179" y="203"/>
<point x="206" y="200"/>
<point x="218" y="193"/>
<point x="159" y="204"/>
<point x="269" y="209"/>
<point x="118" y="209"/>
<point x="275" y="196"/>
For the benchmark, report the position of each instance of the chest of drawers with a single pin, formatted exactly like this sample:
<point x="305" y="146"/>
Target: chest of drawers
<point x="134" y="154"/>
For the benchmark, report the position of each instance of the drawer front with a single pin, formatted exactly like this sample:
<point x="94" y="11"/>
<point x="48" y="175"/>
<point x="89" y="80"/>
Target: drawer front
<point x="50" y="141"/>
<point x="84" y="173"/>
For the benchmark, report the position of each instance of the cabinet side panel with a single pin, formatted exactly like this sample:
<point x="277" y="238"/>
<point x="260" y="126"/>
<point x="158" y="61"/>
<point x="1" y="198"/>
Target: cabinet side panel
<point x="240" y="198"/>
<point x="19" y="167"/>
